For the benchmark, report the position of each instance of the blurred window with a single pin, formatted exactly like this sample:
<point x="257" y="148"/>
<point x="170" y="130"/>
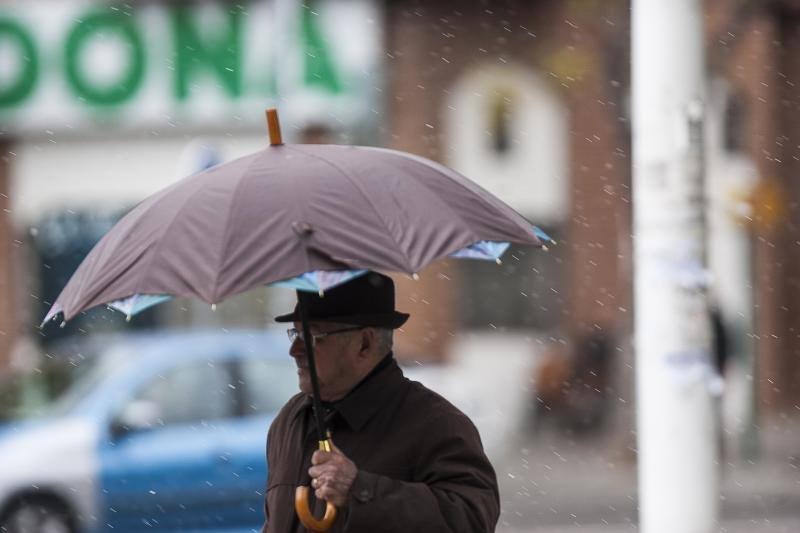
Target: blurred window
<point x="735" y="130"/>
<point x="268" y="383"/>
<point x="317" y="134"/>
<point x="59" y="382"/>
<point x="192" y="392"/>
<point x="525" y="291"/>
<point x="89" y="370"/>
<point x="59" y="243"/>
<point x="500" y="122"/>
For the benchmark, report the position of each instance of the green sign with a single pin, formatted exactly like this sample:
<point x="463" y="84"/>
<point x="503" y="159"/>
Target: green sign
<point x="15" y="36"/>
<point x="204" y="60"/>
<point x="81" y="34"/>
<point x="220" y="54"/>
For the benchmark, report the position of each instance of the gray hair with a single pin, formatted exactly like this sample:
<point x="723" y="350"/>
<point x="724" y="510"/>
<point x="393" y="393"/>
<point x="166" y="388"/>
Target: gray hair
<point x="385" y="338"/>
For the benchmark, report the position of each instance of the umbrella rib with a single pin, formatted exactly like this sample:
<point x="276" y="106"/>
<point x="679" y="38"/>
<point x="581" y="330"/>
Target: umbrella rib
<point x="454" y="213"/>
<point x="223" y="245"/>
<point x="100" y="290"/>
<point x="94" y="265"/>
<point x="167" y="228"/>
<point x="409" y="267"/>
<point x="433" y="165"/>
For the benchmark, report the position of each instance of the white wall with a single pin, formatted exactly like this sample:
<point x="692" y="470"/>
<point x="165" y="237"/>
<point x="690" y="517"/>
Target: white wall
<point x="106" y="173"/>
<point x="532" y="176"/>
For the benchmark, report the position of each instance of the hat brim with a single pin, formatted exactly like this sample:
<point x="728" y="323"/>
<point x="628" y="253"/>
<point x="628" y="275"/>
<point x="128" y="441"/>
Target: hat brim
<point x="390" y="320"/>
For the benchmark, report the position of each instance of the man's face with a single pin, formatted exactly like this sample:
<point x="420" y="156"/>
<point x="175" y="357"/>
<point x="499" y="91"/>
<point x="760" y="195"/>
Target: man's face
<point x="337" y="358"/>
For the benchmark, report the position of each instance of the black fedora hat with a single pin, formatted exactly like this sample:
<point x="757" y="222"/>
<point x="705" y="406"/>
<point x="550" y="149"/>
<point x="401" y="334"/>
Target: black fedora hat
<point x="367" y="300"/>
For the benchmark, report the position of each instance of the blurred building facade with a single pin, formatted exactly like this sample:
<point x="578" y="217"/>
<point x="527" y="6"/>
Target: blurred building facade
<point x="559" y="74"/>
<point x="752" y="46"/>
<point x="102" y="104"/>
<point x="530" y="99"/>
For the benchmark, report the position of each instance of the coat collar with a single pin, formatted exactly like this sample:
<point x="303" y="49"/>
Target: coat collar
<point x="366" y="398"/>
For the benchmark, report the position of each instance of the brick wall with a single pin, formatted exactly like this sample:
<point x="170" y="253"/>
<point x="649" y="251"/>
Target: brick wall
<point x="788" y="93"/>
<point x="581" y="49"/>
<point x="8" y="325"/>
<point x="753" y="46"/>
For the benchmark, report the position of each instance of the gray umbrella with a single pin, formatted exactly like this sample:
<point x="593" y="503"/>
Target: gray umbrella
<point x="287" y="210"/>
<point x="306" y="216"/>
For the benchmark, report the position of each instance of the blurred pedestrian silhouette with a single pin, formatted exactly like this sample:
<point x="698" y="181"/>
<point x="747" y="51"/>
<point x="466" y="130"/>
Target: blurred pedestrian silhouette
<point x="571" y="384"/>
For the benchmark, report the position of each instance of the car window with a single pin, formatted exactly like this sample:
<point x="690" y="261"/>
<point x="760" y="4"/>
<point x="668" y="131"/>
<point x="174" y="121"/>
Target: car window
<point x="267" y="384"/>
<point x="90" y="372"/>
<point x="191" y="392"/>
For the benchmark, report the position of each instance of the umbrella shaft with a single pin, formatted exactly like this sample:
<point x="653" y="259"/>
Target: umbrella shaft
<point x="312" y="367"/>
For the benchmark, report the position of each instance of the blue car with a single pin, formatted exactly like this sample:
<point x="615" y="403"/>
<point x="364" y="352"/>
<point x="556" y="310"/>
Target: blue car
<point x="165" y="432"/>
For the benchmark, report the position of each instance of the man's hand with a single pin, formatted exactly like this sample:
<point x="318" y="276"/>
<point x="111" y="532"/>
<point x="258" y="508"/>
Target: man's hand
<point x="332" y="475"/>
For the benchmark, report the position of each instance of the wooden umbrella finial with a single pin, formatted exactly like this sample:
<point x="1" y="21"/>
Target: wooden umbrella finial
<point x="274" y="127"/>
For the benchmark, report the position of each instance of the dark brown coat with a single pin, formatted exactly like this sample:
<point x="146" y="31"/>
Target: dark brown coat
<point x="421" y="463"/>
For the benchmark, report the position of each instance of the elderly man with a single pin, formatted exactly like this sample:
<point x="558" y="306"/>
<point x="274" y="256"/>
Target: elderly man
<point x="404" y="458"/>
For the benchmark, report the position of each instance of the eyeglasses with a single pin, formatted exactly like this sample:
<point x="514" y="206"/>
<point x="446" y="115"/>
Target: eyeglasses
<point x="295" y="334"/>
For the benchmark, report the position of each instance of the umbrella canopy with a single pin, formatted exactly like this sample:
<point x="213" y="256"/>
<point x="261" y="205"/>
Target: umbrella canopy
<point x="304" y="216"/>
<point x="291" y="213"/>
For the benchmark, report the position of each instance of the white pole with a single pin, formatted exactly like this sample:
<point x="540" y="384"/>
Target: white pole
<point x="675" y="411"/>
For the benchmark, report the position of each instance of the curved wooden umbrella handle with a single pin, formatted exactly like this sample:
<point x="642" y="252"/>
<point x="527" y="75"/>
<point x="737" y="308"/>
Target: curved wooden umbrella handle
<point x="304" y="513"/>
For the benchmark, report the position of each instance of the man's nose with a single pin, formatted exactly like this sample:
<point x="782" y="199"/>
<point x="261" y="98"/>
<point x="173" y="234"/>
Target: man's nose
<point x="297" y="349"/>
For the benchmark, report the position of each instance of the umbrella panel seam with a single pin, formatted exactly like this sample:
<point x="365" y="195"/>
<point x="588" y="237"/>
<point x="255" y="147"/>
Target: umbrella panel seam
<point x="433" y="165"/>
<point x="161" y="240"/>
<point x="366" y="198"/>
<point x="224" y="245"/>
<point x="474" y="239"/>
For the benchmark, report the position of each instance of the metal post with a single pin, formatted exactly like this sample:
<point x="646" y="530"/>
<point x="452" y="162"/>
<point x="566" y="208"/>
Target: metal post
<point x="678" y="485"/>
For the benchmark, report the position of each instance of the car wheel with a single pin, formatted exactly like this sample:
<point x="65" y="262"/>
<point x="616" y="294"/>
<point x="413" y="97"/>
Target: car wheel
<point x="36" y="517"/>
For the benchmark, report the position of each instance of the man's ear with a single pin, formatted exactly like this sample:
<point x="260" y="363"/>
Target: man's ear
<point x="367" y="341"/>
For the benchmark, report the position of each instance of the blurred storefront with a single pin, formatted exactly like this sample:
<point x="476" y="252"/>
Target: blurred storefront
<point x="531" y="99"/>
<point x="528" y="99"/>
<point x="752" y="46"/>
<point x="103" y="103"/>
